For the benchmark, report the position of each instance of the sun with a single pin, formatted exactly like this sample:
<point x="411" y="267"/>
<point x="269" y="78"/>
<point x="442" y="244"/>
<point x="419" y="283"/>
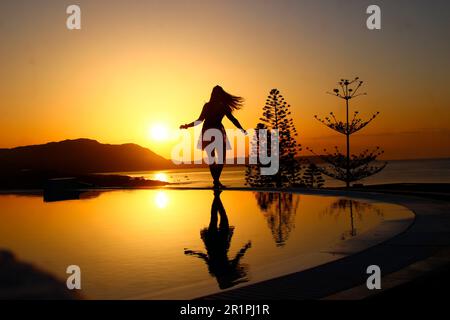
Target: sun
<point x="159" y="132"/>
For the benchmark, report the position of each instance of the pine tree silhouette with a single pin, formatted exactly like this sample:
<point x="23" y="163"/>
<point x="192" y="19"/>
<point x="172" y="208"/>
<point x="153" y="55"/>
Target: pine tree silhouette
<point x="276" y="115"/>
<point x="312" y="177"/>
<point x="279" y="209"/>
<point x="349" y="167"/>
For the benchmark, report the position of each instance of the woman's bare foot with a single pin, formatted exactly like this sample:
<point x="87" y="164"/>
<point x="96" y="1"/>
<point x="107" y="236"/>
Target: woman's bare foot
<point x="218" y="185"/>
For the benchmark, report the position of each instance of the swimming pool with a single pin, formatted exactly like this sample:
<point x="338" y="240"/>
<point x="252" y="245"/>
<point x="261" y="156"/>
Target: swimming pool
<point x="182" y="244"/>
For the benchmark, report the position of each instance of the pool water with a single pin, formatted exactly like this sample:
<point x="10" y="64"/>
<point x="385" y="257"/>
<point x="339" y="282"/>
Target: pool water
<point x="181" y="244"/>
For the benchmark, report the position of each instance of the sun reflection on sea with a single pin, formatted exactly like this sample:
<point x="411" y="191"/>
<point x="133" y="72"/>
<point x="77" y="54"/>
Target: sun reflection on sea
<point x="161" y="176"/>
<point x="161" y="200"/>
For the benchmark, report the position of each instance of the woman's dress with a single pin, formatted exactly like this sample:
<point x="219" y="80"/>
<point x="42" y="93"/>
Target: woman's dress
<point x="212" y="115"/>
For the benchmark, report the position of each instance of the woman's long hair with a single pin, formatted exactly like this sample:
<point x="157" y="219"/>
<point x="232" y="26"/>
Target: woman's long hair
<point x="228" y="101"/>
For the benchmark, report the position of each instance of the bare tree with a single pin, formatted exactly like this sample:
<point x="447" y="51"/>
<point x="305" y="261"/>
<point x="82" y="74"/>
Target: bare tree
<point x="349" y="167"/>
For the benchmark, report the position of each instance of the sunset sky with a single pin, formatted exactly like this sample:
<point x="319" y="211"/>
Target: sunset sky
<point x="136" y="65"/>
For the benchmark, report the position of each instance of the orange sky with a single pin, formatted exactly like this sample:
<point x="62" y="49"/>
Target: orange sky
<point x="138" y="64"/>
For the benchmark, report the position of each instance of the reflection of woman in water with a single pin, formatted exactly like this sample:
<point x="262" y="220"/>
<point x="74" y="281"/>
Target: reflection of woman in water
<point x="220" y="104"/>
<point x="217" y="240"/>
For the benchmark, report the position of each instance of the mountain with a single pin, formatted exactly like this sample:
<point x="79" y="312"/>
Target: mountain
<point x="81" y="156"/>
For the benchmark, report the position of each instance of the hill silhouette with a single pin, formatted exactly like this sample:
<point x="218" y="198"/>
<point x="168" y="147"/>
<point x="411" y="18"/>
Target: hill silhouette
<point x="80" y="156"/>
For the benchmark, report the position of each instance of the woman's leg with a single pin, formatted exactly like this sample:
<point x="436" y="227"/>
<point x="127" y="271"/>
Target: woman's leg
<point x="221" y="163"/>
<point x="214" y="210"/>
<point x="213" y="168"/>
<point x="219" y="169"/>
<point x="220" y="208"/>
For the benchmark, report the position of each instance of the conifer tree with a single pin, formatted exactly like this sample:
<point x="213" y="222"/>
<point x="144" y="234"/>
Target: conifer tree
<point x="276" y="116"/>
<point x="312" y="177"/>
<point x="279" y="209"/>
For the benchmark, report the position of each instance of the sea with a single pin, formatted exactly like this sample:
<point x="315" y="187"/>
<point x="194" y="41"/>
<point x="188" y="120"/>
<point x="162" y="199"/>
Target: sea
<point x="396" y="171"/>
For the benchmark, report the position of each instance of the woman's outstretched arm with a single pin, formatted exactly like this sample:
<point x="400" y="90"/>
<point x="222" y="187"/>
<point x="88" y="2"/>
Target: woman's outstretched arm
<point x="196" y="122"/>
<point x="192" y="124"/>
<point x="235" y="122"/>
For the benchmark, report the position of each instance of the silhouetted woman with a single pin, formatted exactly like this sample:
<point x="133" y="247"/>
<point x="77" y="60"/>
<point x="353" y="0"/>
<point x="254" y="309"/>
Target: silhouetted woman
<point x="220" y="104"/>
<point x="228" y="272"/>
